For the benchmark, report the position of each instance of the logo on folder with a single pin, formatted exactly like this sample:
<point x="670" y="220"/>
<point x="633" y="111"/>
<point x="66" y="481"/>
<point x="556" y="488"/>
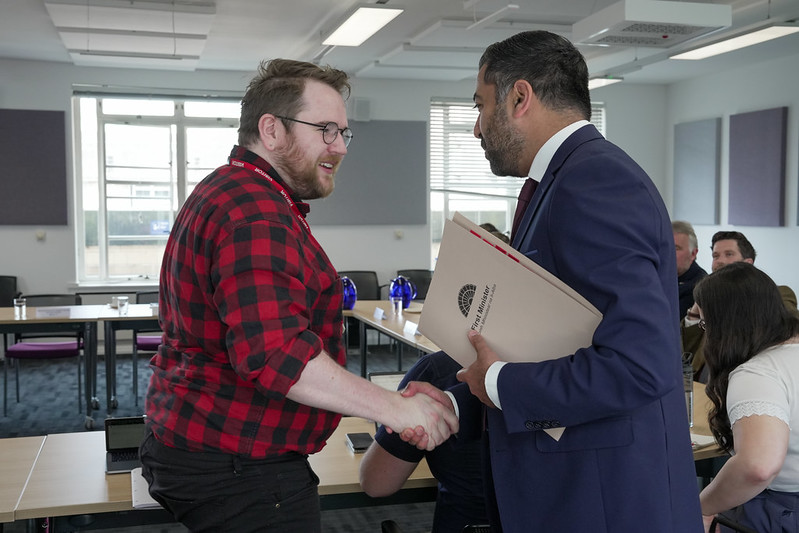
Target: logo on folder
<point x="465" y="297"/>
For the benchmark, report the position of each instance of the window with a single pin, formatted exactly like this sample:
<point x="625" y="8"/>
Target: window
<point x="138" y="159"/>
<point x="460" y="176"/>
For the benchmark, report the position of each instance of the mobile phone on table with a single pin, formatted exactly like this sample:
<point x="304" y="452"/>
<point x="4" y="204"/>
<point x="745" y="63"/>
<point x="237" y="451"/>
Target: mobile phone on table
<point x="358" y="442"/>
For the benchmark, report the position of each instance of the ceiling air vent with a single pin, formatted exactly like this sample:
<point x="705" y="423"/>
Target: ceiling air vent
<point x="650" y="23"/>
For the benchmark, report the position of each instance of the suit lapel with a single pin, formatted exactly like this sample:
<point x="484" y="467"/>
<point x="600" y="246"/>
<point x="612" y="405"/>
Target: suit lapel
<point x="529" y="220"/>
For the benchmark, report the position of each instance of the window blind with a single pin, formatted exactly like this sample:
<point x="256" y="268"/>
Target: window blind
<point x="458" y="163"/>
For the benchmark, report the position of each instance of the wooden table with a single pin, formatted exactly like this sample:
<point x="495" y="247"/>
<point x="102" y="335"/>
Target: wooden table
<point x="67" y="319"/>
<point x="68" y="478"/>
<point x="391" y="325"/>
<point x="337" y="466"/>
<point x="17" y="457"/>
<point x="702" y="406"/>
<point x="84" y="318"/>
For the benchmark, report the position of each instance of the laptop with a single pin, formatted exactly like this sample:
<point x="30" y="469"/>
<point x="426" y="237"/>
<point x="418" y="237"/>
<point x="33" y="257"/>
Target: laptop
<point x="122" y="439"/>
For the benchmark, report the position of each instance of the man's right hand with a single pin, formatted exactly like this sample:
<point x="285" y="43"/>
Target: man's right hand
<point x="416" y="436"/>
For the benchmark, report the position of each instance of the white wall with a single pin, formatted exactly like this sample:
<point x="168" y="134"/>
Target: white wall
<point x="763" y="86"/>
<point x="641" y="119"/>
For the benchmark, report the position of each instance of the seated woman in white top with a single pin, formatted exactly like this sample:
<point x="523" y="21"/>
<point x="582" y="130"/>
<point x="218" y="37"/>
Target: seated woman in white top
<point x="752" y="351"/>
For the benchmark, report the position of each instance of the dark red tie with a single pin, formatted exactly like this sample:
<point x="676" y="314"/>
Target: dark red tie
<point x="524" y="199"/>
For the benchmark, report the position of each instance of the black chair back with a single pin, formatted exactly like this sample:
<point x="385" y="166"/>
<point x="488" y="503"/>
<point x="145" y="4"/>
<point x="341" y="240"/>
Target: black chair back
<point x="52" y="300"/>
<point x="8" y="290"/>
<point x="365" y="282"/>
<point x="147" y="297"/>
<point x="420" y="278"/>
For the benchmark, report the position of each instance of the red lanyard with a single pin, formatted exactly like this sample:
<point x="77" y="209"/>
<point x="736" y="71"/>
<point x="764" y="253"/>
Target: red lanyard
<point x="279" y="187"/>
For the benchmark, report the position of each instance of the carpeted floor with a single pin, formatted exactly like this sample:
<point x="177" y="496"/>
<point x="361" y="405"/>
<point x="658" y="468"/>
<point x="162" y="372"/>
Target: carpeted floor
<point x="49" y="404"/>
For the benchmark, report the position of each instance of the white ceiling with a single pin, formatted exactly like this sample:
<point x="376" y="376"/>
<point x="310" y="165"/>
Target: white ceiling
<point x="429" y="41"/>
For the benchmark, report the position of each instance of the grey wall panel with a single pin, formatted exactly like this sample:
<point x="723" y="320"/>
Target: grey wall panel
<point x="383" y="179"/>
<point x="697" y="154"/>
<point x="33" y="159"/>
<point x="757" y="167"/>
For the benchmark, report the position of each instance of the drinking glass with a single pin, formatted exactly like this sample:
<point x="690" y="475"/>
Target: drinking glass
<point x="20" y="308"/>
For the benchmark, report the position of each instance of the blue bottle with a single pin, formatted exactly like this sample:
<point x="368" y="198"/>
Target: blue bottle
<point x="350" y="292"/>
<point x="402" y="287"/>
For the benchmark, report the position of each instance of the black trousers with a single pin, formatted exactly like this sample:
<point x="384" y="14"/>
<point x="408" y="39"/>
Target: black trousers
<point x="217" y="492"/>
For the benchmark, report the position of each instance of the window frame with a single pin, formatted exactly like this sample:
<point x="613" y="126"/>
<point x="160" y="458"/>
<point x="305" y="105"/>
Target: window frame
<point x="178" y="123"/>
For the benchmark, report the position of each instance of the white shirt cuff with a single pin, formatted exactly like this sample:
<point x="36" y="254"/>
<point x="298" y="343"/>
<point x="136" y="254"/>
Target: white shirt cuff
<point x="492" y="376"/>
<point x="454" y="403"/>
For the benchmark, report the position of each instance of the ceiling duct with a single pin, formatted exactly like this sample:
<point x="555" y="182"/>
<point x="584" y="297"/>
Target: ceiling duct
<point x="650" y="23"/>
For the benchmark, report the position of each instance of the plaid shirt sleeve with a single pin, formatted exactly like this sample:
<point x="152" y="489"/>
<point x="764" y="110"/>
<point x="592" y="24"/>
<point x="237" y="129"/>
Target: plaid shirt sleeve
<point x="248" y="298"/>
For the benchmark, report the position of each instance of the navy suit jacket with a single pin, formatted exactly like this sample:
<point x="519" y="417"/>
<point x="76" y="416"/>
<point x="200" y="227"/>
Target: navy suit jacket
<point x="624" y="462"/>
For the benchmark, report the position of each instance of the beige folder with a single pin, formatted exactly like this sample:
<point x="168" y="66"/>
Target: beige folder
<point x="524" y="312"/>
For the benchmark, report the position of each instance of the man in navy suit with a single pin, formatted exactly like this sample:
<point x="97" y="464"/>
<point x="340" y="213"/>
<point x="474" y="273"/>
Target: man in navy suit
<point x="624" y="461"/>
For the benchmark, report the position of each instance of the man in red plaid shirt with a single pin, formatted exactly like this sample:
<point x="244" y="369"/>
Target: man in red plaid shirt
<point x="250" y="375"/>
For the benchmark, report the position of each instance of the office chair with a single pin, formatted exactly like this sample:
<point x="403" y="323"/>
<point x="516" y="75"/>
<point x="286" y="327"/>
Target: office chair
<point x="420" y="278"/>
<point x="365" y="282"/>
<point x="25" y="349"/>
<point x="8" y="290"/>
<point x="732" y="524"/>
<point x="368" y="288"/>
<point x="145" y="343"/>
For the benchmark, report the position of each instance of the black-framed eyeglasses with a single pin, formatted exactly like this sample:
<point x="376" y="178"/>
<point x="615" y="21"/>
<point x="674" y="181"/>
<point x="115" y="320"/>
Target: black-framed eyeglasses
<point x="330" y="130"/>
<point x="702" y="324"/>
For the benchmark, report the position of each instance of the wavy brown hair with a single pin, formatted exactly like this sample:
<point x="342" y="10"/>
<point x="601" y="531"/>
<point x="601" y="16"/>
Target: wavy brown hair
<point x="744" y="315"/>
<point x="277" y="88"/>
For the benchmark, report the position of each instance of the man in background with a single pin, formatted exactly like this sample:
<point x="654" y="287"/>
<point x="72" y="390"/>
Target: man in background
<point x="688" y="271"/>
<point x="727" y="247"/>
<point x="250" y="376"/>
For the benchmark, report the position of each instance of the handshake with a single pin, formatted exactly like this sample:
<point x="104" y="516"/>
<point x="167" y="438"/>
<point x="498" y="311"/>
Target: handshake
<point x="436" y="409"/>
<point x="424" y="416"/>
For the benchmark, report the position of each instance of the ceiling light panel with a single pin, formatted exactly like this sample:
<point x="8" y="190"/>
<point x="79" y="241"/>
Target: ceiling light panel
<point x="742" y="41"/>
<point x="360" y="25"/>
